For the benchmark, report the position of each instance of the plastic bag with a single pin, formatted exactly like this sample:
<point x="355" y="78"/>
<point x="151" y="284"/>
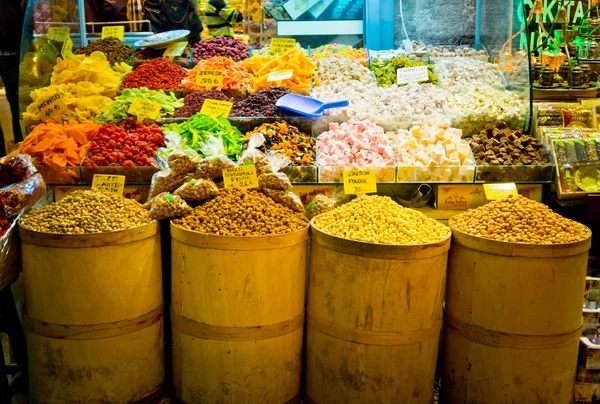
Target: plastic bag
<point x="275" y="179"/>
<point x="22" y="185"/>
<point x="197" y="190"/>
<point x="9" y="254"/>
<point x="253" y="155"/>
<point x="319" y="204"/>
<point x="167" y="206"/>
<point x="177" y="155"/>
<point x="216" y="159"/>
<point x="165" y="181"/>
<point x="15" y="168"/>
<point x="287" y="199"/>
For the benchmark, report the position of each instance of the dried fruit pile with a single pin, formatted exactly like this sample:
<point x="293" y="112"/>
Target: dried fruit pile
<point x="115" y="50"/>
<point x="157" y="74"/>
<point x="295" y="145"/>
<point x="221" y="46"/>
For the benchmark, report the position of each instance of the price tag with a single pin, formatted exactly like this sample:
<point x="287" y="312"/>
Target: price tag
<point x="116" y="31"/>
<point x="282" y="45"/>
<point x="52" y="107"/>
<point x="412" y="74"/>
<point x="216" y="108"/>
<point x="58" y="33"/>
<point x="498" y="191"/>
<point x="358" y="182"/>
<point x="144" y="109"/>
<point x="67" y="48"/>
<point x="109" y="183"/>
<point x="280" y="76"/>
<point x="242" y="177"/>
<point x="209" y="79"/>
<point x="175" y="49"/>
<point x="49" y="51"/>
<point x="93" y="65"/>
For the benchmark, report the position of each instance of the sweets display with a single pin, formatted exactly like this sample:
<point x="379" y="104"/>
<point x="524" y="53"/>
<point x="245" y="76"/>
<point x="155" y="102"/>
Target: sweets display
<point x="115" y="50"/>
<point x="262" y="67"/>
<point x="469" y="72"/>
<point x="156" y="74"/>
<point x="380" y="220"/>
<point x="340" y="71"/>
<point x="235" y="75"/>
<point x="237" y="212"/>
<point x="517" y="219"/>
<point x="87" y="212"/>
<point x="337" y="51"/>
<point x="221" y="46"/>
<point x="386" y="71"/>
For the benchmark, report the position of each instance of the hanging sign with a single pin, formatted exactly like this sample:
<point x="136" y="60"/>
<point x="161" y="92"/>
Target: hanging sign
<point x="109" y="183"/>
<point x="216" y="108"/>
<point x="242" y="177"/>
<point x="357" y="182"/>
<point x="116" y="31"/>
<point x="499" y="191"/>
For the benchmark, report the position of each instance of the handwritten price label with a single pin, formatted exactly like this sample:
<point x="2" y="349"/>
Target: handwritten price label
<point x="209" y="79"/>
<point x="175" y="49"/>
<point x="116" y="31"/>
<point x="144" y="109"/>
<point x="58" y="33"/>
<point x="281" y="75"/>
<point x="412" y="74"/>
<point x="242" y="177"/>
<point x="109" y="183"/>
<point x="216" y="108"/>
<point x="357" y="182"/>
<point x="282" y="45"/>
<point x="67" y="48"/>
<point x="52" y="107"/>
<point x="498" y="191"/>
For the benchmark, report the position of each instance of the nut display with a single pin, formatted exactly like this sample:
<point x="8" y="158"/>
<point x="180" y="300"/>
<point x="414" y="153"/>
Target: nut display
<point x="318" y="205"/>
<point x="87" y="212"/>
<point x="380" y="220"/>
<point x="197" y="190"/>
<point x="287" y="199"/>
<point x="518" y="219"/>
<point x="500" y="145"/>
<point x="115" y="50"/>
<point x="237" y="212"/>
<point x="167" y="206"/>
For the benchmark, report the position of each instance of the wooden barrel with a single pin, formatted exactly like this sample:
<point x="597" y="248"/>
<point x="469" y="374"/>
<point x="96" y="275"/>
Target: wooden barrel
<point x="373" y="320"/>
<point x="513" y="321"/>
<point x="94" y="316"/>
<point x="237" y="314"/>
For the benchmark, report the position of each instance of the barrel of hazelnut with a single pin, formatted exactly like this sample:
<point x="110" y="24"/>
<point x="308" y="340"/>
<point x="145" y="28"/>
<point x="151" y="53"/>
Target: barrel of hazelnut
<point x="517" y="219"/>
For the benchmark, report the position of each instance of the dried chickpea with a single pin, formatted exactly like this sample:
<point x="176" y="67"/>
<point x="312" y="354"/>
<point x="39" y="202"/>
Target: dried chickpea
<point x="380" y="220"/>
<point x="517" y="219"/>
<point x="237" y="212"/>
<point x="87" y="212"/>
<point x="167" y="206"/>
<point x="197" y="190"/>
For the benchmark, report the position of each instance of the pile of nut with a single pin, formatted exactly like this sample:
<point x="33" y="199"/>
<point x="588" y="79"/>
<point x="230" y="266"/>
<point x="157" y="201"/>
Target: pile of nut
<point x="499" y="145"/>
<point x="87" y="212"/>
<point x="380" y="220"/>
<point x="517" y="219"/>
<point x="237" y="212"/>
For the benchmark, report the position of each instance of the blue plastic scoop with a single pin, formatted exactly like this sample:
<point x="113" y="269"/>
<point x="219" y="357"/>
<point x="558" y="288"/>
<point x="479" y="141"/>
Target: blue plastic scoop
<point x="308" y="106"/>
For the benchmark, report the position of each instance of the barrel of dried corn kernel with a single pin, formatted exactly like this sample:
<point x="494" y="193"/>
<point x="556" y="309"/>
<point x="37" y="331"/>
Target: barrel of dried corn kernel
<point x="512" y="320"/>
<point x="373" y="320"/>
<point x="237" y="314"/>
<point x="94" y="316"/>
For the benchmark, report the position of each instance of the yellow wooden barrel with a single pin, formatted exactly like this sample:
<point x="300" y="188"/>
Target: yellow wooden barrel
<point x="373" y="320"/>
<point x="513" y="321"/>
<point x="237" y="315"/>
<point x="94" y="316"/>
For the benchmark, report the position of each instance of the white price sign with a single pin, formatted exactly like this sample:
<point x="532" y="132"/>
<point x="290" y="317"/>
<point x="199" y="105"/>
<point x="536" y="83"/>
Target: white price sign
<point x="412" y="74"/>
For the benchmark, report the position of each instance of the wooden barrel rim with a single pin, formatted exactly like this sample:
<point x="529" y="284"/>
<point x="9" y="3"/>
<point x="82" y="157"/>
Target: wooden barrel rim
<point x="498" y="339"/>
<point x="238" y="243"/>
<point x="508" y="249"/>
<point x="380" y="251"/>
<point x="89" y="240"/>
<point x="224" y="333"/>
<point x="366" y="337"/>
<point x="92" y="331"/>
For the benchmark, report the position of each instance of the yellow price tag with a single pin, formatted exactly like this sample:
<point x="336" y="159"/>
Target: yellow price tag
<point x="281" y="75"/>
<point x="116" y="31"/>
<point x="67" y="48"/>
<point x="144" y="109"/>
<point x="175" y="49"/>
<point x="52" y="107"/>
<point x="357" y="182"/>
<point x="58" y="33"/>
<point x="109" y="183"/>
<point x="242" y="177"/>
<point x="216" y="108"/>
<point x="209" y="79"/>
<point x="281" y="45"/>
<point x="498" y="191"/>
